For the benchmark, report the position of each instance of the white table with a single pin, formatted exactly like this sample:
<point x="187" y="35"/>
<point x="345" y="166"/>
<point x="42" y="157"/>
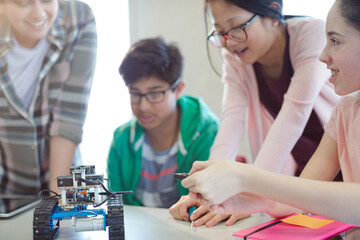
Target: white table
<point x="140" y="223"/>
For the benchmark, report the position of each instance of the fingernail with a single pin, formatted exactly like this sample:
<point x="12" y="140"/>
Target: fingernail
<point x="209" y="224"/>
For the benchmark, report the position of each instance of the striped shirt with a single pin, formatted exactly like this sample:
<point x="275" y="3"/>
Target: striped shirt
<point x="58" y="107"/>
<point x="157" y="186"/>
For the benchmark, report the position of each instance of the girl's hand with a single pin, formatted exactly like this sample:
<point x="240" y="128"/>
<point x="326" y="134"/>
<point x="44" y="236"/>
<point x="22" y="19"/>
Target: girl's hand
<point x="243" y="204"/>
<point x="217" y="181"/>
<point x="179" y="209"/>
<point x="202" y="215"/>
<point x="247" y="203"/>
<point x="210" y="219"/>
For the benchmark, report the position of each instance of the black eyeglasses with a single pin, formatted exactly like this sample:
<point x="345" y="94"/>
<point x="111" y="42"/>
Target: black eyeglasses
<point x="152" y="97"/>
<point x="237" y="34"/>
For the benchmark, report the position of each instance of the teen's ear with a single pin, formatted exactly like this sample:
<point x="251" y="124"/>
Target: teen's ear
<point x="275" y="22"/>
<point x="179" y="89"/>
<point x="275" y="5"/>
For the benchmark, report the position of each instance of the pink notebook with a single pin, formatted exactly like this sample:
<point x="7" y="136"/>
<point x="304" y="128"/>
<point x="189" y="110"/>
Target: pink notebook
<point x="285" y="231"/>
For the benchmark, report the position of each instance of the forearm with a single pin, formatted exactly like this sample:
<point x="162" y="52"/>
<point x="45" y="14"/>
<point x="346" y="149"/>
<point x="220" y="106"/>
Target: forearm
<point x="325" y="157"/>
<point x="318" y="197"/>
<point x="232" y="125"/>
<point x="61" y="157"/>
<point x="278" y="210"/>
<point x="227" y="141"/>
<point x="285" y="131"/>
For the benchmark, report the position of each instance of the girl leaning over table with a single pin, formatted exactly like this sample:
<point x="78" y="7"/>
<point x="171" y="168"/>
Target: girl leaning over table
<point x="274" y="86"/>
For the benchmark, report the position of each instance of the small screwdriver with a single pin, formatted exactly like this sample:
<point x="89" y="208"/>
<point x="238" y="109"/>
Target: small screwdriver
<point x="180" y="176"/>
<point x="190" y="211"/>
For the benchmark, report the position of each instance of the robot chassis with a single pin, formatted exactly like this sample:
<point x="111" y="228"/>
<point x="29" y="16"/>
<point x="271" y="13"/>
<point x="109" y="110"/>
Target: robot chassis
<point x="79" y="190"/>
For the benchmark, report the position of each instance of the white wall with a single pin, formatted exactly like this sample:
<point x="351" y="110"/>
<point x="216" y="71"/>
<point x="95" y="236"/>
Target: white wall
<point x="316" y="8"/>
<point x="109" y="102"/>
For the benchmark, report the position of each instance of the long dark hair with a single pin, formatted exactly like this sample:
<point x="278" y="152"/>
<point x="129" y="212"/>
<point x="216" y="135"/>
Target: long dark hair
<point x="265" y="8"/>
<point x="350" y="10"/>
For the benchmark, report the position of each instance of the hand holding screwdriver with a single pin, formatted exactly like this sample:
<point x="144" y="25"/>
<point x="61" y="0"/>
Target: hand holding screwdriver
<point x="190" y="210"/>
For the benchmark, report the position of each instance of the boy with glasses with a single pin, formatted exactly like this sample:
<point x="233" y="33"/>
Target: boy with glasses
<point x="169" y="131"/>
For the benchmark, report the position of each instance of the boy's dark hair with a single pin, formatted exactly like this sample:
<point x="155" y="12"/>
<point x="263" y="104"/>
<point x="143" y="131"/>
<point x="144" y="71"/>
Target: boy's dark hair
<point x="152" y="58"/>
<point x="350" y="10"/>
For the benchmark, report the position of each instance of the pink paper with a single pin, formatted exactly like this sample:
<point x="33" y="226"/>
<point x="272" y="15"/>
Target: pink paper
<point x="284" y="231"/>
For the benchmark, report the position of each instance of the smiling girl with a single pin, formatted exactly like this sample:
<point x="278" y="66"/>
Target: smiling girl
<point x="47" y="60"/>
<point x="275" y="89"/>
<point x="255" y="190"/>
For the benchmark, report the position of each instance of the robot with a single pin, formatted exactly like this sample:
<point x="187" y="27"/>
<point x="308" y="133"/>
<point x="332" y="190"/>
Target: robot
<point x="82" y="196"/>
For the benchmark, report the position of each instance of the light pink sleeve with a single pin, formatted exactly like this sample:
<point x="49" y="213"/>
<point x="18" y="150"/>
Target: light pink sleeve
<point x="306" y="43"/>
<point x="233" y="112"/>
<point x="343" y="129"/>
<point x="331" y="126"/>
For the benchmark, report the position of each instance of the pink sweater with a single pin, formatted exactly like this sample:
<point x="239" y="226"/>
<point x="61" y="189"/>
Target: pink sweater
<point x="343" y="127"/>
<point x="271" y="141"/>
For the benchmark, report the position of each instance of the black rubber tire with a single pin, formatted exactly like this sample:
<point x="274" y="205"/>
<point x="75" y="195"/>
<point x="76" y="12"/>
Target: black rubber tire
<point x="41" y="220"/>
<point x="115" y="218"/>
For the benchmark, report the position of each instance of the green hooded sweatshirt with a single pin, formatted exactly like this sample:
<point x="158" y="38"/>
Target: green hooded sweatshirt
<point x="198" y="128"/>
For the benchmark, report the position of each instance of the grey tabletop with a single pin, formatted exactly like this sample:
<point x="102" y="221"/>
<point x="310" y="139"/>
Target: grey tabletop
<point x="140" y="223"/>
